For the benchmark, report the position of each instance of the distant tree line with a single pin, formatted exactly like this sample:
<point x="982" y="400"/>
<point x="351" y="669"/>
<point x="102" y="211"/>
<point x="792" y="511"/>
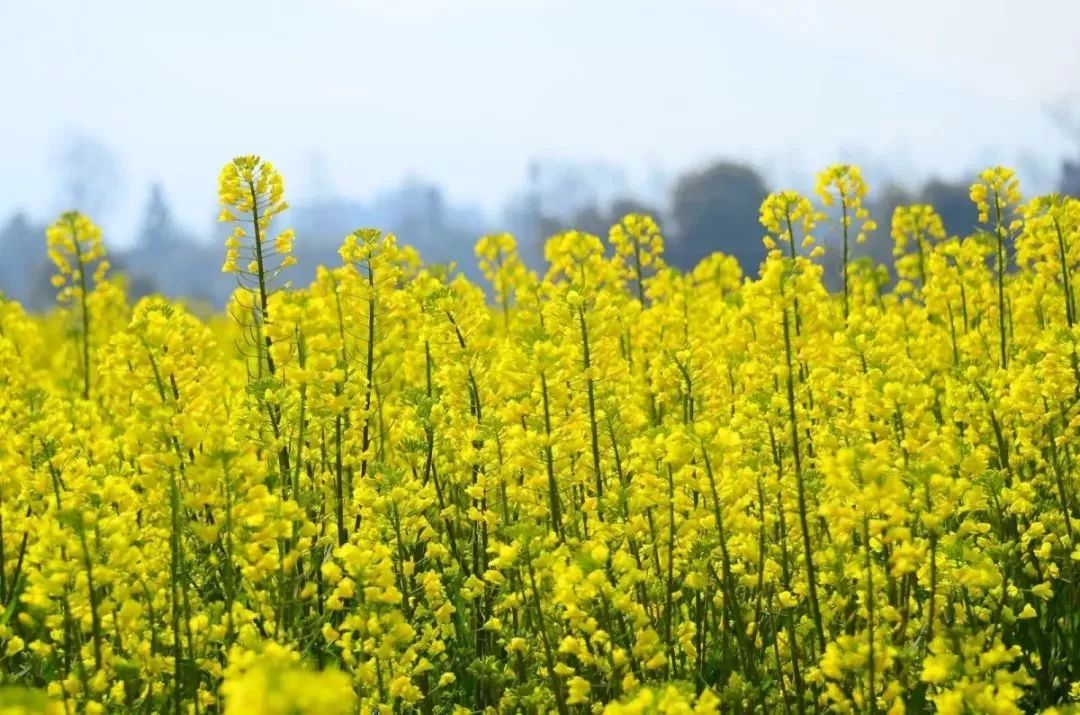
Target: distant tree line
<point x="707" y="209"/>
<point x="715" y="208"/>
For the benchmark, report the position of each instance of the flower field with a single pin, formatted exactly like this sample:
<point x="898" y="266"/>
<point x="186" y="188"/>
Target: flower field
<point x="610" y="488"/>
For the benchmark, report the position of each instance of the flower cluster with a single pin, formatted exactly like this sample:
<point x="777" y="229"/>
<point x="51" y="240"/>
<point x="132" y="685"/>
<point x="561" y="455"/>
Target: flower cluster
<point x="614" y="488"/>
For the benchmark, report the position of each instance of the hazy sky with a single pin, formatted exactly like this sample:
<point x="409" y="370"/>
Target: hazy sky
<point x="465" y="92"/>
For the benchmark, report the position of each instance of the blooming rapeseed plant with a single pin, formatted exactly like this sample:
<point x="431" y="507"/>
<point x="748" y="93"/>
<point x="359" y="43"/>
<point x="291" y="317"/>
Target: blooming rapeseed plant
<point x="612" y="488"/>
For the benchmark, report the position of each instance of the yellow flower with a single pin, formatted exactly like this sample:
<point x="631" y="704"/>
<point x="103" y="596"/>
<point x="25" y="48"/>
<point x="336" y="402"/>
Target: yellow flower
<point x="396" y="489"/>
<point x="578" y="691"/>
<point x="14" y="646"/>
<point x="937" y="668"/>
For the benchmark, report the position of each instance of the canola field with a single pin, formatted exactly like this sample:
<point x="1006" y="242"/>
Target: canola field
<point x="611" y="488"/>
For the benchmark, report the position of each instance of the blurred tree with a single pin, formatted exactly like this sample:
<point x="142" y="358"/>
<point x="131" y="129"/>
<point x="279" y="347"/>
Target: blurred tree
<point x="560" y="195"/>
<point x="545" y="226"/>
<point x="140" y="285"/>
<point x="952" y="200"/>
<point x="598" y="219"/>
<point x="629" y="205"/>
<point x="1065" y="115"/>
<point x="158" y="229"/>
<point x="421" y="216"/>
<point x="417" y="213"/>
<point x="161" y="259"/>
<point x="90" y="176"/>
<point x="716" y="209"/>
<point x="23" y="242"/>
<point x="1069" y="182"/>
<point x="40" y="294"/>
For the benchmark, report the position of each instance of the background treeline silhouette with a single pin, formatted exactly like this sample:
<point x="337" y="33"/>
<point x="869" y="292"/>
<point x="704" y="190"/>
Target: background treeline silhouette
<point x="707" y="209"/>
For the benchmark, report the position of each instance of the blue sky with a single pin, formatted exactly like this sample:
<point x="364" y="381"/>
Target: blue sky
<point x="465" y="92"/>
